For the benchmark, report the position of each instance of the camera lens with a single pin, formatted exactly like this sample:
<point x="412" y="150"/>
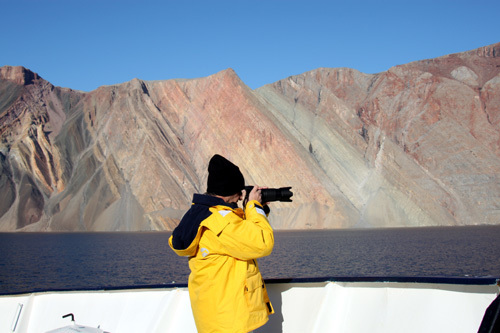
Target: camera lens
<point x="277" y="194"/>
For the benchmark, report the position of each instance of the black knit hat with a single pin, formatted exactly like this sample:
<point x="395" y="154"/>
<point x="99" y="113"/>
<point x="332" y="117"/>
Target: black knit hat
<point x="224" y="178"/>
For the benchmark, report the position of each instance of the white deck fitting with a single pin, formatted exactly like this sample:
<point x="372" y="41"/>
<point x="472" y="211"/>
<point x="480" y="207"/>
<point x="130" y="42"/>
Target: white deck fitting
<point x="300" y="307"/>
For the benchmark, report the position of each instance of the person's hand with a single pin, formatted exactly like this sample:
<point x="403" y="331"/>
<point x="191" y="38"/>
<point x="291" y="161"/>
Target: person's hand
<point x="255" y="194"/>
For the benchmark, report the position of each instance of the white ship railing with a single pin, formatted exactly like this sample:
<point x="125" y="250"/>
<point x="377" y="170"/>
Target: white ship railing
<point x="335" y="304"/>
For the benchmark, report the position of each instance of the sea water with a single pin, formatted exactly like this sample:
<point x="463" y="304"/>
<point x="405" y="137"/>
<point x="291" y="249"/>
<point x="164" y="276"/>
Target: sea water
<point x="68" y="261"/>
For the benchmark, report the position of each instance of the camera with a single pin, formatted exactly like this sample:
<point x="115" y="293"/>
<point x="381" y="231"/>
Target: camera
<point x="272" y="194"/>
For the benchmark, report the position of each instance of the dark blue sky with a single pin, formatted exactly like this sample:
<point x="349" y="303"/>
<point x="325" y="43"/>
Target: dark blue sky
<point x="86" y="44"/>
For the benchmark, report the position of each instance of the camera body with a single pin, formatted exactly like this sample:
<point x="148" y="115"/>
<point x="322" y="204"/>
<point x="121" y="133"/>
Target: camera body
<point x="283" y="194"/>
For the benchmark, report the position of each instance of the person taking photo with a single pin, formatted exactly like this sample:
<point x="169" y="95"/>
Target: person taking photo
<point x="223" y="241"/>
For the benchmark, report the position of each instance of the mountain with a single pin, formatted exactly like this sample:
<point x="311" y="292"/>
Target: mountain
<point x="417" y="145"/>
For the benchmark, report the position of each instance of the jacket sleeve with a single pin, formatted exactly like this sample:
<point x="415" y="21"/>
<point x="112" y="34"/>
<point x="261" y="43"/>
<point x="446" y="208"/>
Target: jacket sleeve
<point x="189" y="251"/>
<point x="251" y="238"/>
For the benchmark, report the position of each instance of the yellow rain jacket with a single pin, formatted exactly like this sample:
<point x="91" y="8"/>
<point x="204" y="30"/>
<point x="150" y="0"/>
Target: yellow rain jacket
<point x="226" y="289"/>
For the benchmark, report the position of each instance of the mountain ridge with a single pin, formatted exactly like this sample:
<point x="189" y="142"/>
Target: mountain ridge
<point x="417" y="145"/>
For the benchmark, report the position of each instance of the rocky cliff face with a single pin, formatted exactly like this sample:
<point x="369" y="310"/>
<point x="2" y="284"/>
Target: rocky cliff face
<point x="417" y="145"/>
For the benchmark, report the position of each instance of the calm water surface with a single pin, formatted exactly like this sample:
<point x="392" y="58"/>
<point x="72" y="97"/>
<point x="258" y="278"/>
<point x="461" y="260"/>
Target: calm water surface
<point x="41" y="261"/>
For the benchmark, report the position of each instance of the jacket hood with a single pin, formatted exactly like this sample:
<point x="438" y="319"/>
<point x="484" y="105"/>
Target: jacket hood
<point x="184" y="234"/>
